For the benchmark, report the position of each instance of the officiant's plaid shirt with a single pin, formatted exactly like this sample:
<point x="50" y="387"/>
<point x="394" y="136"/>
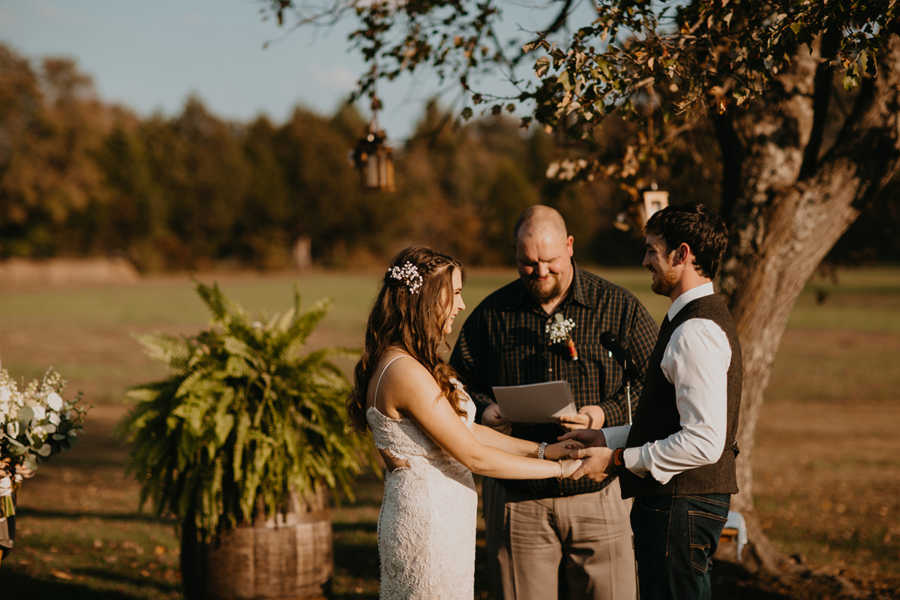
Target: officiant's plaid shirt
<point x="504" y="342"/>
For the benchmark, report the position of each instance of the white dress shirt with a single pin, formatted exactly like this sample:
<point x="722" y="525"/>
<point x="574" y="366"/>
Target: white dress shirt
<point x="696" y="362"/>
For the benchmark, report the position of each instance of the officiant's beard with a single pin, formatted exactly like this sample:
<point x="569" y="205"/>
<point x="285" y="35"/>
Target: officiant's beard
<point x="548" y="291"/>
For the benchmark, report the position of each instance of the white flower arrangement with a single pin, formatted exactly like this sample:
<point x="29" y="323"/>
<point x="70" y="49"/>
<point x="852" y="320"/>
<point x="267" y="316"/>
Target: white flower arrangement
<point x="559" y="329"/>
<point x="409" y="275"/>
<point x="36" y="422"/>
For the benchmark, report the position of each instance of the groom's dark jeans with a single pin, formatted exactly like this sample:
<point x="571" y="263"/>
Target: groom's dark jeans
<point x="674" y="540"/>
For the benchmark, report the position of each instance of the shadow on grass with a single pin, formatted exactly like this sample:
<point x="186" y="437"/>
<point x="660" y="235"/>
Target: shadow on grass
<point x="359" y="558"/>
<point x="732" y="581"/>
<point x="365" y="527"/>
<point x="355" y="560"/>
<point x="103" y="516"/>
<point x="143" y="582"/>
<point x="20" y="585"/>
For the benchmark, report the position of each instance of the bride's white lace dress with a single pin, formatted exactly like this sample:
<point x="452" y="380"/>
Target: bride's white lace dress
<point x="426" y="529"/>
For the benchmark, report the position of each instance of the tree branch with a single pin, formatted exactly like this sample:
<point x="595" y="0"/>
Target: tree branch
<point x="562" y="17"/>
<point x="864" y="99"/>
<point x="732" y="160"/>
<point x="822" y="92"/>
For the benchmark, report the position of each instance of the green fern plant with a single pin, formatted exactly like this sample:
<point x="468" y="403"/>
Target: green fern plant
<point x="243" y="421"/>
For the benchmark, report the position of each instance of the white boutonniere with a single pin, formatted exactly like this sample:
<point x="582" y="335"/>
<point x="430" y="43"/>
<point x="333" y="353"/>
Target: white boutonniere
<point x="559" y="328"/>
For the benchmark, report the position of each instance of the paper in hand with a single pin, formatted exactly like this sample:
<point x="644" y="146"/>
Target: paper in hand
<point x="535" y="403"/>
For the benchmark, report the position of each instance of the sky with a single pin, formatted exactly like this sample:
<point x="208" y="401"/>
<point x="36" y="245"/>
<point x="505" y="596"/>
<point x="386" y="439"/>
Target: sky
<point x="151" y="54"/>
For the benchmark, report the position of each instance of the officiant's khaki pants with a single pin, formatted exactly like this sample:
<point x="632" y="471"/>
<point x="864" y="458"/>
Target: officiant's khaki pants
<point x="573" y="547"/>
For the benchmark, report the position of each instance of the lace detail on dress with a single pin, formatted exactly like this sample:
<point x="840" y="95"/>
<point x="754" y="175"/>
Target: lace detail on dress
<point x="426" y="528"/>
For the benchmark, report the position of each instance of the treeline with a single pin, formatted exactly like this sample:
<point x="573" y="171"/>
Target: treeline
<point x="80" y="177"/>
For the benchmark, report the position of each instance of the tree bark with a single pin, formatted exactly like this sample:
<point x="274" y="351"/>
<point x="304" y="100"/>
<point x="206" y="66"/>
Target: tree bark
<point x="790" y="213"/>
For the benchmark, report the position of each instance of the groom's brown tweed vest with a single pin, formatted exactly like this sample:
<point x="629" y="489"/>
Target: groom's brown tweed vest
<point x="657" y="414"/>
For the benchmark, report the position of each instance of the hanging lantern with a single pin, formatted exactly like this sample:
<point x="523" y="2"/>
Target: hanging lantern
<point x="652" y="200"/>
<point x="639" y="211"/>
<point x="374" y="159"/>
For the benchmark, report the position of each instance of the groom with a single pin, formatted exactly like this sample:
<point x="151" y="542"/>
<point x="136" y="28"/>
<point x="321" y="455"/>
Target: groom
<point x="677" y="459"/>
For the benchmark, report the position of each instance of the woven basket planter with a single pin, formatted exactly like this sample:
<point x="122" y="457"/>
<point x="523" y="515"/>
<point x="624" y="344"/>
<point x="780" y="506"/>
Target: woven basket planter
<point x="283" y="558"/>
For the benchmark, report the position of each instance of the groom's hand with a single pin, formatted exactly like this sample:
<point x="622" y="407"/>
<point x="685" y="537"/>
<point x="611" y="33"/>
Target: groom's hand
<point x="588" y="437"/>
<point x="493" y="418"/>
<point x="595" y="463"/>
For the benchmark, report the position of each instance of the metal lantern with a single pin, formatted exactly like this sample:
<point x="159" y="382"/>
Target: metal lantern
<point x="639" y="211"/>
<point x="374" y="161"/>
<point x="653" y="200"/>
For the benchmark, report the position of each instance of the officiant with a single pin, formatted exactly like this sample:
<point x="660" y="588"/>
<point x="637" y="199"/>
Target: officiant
<point x="555" y="539"/>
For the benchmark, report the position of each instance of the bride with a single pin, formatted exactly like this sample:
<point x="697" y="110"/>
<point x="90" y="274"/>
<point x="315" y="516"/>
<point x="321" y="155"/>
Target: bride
<point x="422" y="422"/>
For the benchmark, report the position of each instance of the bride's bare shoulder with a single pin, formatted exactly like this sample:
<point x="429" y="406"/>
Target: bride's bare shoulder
<point x="404" y="374"/>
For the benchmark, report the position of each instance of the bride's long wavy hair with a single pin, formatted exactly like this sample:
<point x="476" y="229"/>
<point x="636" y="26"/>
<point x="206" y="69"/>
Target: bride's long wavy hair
<point x="413" y="322"/>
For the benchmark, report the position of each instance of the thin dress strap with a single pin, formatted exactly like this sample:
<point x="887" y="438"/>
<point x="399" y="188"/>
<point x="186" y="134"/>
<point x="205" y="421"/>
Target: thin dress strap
<point x="381" y="375"/>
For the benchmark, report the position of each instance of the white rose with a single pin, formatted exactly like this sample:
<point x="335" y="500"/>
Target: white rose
<point x="38" y="411"/>
<point x="12" y="428"/>
<point x="53" y="418"/>
<point x="54" y="401"/>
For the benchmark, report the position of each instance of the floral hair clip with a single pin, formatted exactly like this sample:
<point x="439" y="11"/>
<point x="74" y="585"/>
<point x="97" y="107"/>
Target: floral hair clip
<point x="409" y="275"/>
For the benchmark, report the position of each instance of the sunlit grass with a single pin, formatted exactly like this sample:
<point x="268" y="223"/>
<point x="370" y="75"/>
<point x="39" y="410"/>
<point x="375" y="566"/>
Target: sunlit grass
<point x="826" y="461"/>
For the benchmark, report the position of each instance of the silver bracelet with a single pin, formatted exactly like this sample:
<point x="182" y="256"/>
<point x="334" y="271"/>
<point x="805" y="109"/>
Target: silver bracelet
<point x="541" y="447"/>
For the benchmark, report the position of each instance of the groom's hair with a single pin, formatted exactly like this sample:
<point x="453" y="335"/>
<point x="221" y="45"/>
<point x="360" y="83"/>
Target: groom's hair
<point x="696" y="226"/>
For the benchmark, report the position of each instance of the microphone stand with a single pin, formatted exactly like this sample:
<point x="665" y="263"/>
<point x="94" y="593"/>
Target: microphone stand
<point x="627" y="389"/>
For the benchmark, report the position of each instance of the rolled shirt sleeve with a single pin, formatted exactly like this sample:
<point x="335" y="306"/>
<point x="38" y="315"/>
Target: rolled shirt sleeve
<point x="696" y="363"/>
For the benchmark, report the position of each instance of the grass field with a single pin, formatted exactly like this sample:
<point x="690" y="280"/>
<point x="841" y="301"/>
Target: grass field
<point x="827" y="462"/>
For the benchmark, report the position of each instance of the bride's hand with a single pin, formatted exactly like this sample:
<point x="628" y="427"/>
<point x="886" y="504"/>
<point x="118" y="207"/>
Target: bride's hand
<point x="561" y="449"/>
<point x="569" y="466"/>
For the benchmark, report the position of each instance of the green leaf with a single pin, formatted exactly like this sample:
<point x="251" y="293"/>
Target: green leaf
<point x="245" y="420"/>
<point x="224" y="425"/>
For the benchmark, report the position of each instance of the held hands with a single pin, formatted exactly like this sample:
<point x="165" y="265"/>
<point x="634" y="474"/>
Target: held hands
<point x="587" y="437"/>
<point x="596" y="455"/>
<point x="588" y="417"/>
<point x="568" y="467"/>
<point x="561" y="449"/>
<point x="594" y="464"/>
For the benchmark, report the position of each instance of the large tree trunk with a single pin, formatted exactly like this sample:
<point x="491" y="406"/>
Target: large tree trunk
<point x="793" y="204"/>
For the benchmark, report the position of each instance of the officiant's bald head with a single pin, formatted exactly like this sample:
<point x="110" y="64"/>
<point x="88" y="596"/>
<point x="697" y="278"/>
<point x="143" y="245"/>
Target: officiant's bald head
<point x="544" y="254"/>
<point x="540" y="219"/>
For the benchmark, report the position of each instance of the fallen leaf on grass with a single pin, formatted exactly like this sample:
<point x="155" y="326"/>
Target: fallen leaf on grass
<point x="160" y="550"/>
<point x="129" y="545"/>
<point x="145" y="573"/>
<point x="60" y="574"/>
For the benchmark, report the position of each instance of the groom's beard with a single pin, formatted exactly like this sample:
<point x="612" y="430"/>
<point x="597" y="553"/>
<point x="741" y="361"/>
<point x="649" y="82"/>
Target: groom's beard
<point x="663" y="282"/>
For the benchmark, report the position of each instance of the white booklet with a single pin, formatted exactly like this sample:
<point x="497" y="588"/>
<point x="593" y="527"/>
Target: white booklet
<point x="535" y="402"/>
